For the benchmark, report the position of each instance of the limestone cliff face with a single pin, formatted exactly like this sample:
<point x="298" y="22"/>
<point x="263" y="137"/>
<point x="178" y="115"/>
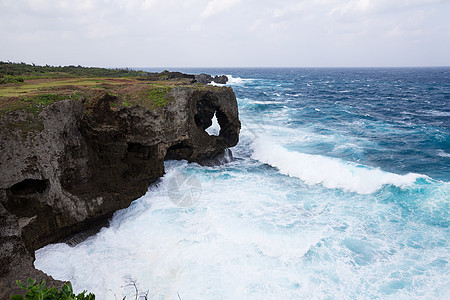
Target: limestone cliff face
<point x="75" y="163"/>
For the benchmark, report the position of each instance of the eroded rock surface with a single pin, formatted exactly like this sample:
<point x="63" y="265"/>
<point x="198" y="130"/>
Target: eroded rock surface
<point x="206" y="78"/>
<point x="74" y="164"/>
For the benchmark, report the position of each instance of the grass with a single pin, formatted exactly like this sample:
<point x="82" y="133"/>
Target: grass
<point x="158" y="95"/>
<point x="34" y="95"/>
<point x="27" y="71"/>
<point x="38" y="102"/>
<point x="32" y="88"/>
<point x="151" y="96"/>
<point x="34" y="103"/>
<point x="17" y="90"/>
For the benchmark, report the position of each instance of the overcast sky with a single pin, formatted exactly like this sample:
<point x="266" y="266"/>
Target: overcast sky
<point x="226" y="33"/>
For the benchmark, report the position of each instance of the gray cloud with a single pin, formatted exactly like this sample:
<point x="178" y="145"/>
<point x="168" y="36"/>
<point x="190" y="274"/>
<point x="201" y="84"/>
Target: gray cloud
<point x="192" y="33"/>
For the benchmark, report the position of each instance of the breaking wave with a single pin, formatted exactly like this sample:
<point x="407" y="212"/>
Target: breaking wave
<point x="330" y="172"/>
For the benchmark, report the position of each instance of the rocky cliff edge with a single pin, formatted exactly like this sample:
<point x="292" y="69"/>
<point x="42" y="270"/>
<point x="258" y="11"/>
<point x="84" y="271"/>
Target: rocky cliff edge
<point x="67" y="164"/>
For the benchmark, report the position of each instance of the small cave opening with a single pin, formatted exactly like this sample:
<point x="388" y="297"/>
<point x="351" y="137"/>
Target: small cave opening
<point x="134" y="147"/>
<point x="139" y="151"/>
<point x="179" y="151"/>
<point x="29" y="186"/>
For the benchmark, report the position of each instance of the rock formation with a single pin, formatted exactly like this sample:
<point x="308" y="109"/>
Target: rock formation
<point x="167" y="75"/>
<point x="206" y="78"/>
<point x="73" y="164"/>
<point x="177" y="76"/>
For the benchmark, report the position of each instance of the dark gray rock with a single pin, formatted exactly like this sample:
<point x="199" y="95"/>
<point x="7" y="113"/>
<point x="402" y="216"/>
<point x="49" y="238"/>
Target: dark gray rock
<point x="206" y="78"/>
<point x="222" y="79"/>
<point x="167" y="75"/>
<point x="16" y="263"/>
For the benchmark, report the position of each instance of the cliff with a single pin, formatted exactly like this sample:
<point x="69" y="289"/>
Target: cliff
<point x="68" y="162"/>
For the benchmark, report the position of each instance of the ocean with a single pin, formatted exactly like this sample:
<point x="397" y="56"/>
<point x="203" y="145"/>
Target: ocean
<point x="339" y="189"/>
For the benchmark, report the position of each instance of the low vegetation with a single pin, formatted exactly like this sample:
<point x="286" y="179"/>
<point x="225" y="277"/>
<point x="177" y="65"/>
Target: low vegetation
<point x="18" y="72"/>
<point x="158" y="95"/>
<point x="30" y="88"/>
<point x="38" y="291"/>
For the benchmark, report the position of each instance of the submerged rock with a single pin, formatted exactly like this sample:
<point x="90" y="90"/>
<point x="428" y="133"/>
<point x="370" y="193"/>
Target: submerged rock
<point x="71" y="166"/>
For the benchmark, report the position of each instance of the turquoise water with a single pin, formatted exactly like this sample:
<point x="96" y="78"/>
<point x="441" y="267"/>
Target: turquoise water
<point x="339" y="189"/>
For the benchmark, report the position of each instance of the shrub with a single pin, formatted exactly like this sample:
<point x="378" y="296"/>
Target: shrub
<point x="38" y="291"/>
<point x="10" y="79"/>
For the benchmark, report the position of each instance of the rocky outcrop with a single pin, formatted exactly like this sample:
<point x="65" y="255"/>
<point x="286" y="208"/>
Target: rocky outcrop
<point x="15" y="260"/>
<point x="167" y="75"/>
<point x="71" y="166"/>
<point x="199" y="78"/>
<point x="206" y="78"/>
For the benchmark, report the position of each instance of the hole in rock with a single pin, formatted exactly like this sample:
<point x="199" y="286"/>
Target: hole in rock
<point x="29" y="186"/>
<point x="214" y="129"/>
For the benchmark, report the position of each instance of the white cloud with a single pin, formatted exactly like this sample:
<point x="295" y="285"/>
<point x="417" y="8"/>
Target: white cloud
<point x="147" y="4"/>
<point x="216" y="6"/>
<point x="225" y="33"/>
<point x="366" y="8"/>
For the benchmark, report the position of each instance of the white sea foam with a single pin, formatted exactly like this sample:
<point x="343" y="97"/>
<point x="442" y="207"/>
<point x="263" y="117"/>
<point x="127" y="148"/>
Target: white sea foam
<point x="199" y="252"/>
<point x="237" y="80"/>
<point x="239" y="241"/>
<point x="232" y="81"/>
<point x="330" y="172"/>
<point x="442" y="153"/>
<point x="294" y="95"/>
<point x="266" y="102"/>
<point x="434" y="113"/>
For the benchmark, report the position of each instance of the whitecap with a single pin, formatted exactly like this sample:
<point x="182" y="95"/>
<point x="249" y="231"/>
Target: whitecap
<point x="237" y="80"/>
<point x="232" y="81"/>
<point x="329" y="172"/>
<point x="442" y="153"/>
<point x="266" y="102"/>
<point x="435" y="113"/>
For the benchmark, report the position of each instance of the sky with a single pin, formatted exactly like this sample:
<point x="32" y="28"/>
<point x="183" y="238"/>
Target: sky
<point x="226" y="33"/>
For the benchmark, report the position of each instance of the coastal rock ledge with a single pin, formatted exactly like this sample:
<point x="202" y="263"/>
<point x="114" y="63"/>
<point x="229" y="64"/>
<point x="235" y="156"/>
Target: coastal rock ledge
<point x="68" y="167"/>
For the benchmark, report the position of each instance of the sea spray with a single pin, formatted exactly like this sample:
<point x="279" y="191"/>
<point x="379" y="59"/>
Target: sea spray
<point x="330" y="172"/>
<point x="324" y="203"/>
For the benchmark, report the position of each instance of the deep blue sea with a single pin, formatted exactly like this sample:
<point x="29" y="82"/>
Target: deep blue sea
<point x="339" y="189"/>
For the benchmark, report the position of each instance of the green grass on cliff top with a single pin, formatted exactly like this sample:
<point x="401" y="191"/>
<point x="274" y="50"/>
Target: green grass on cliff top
<point x="12" y="71"/>
<point x="32" y="88"/>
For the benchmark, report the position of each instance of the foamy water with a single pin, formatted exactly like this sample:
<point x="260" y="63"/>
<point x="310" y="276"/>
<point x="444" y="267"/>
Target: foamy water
<point x="330" y="172"/>
<point x="322" y="201"/>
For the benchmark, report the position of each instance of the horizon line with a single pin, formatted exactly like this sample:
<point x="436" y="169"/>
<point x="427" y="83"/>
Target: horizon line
<point x="322" y="67"/>
<point x="237" y="67"/>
